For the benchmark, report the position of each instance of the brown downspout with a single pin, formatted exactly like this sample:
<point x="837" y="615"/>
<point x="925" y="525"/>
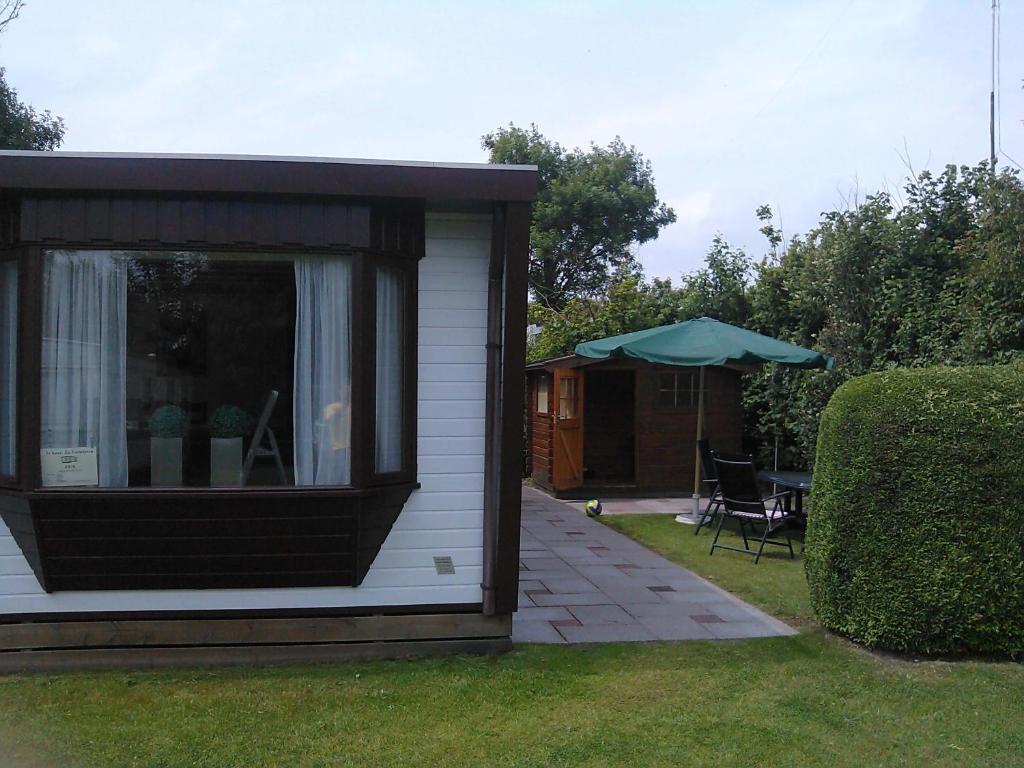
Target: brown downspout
<point x="492" y="422"/>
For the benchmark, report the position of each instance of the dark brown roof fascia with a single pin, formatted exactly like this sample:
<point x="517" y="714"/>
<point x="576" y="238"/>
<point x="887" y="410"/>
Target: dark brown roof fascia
<point x="56" y="171"/>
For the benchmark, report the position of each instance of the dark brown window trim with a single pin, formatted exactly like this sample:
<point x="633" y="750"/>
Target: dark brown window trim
<point x="410" y="321"/>
<point x="14" y="481"/>
<point x="194" y="492"/>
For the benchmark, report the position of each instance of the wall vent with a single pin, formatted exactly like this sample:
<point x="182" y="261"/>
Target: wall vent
<point x="444" y="566"/>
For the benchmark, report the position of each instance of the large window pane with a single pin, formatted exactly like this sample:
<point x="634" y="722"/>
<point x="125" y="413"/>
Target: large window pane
<point x="84" y="440"/>
<point x="323" y="371"/>
<point x="8" y="366"/>
<point x="195" y="369"/>
<point x="390" y="353"/>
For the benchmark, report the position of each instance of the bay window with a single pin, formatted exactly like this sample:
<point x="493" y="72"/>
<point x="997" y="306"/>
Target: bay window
<point x="177" y="368"/>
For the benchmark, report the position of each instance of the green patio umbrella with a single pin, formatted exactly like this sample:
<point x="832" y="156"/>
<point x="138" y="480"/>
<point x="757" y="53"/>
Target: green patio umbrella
<point x="700" y="343"/>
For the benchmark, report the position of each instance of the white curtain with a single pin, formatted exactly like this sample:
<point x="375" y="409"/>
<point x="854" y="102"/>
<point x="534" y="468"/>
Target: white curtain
<point x="389" y="370"/>
<point x="84" y="355"/>
<point x="8" y="365"/>
<point x="323" y="370"/>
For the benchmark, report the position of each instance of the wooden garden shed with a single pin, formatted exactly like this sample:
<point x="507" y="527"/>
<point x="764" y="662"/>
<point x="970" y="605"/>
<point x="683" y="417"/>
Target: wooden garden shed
<point x="624" y="426"/>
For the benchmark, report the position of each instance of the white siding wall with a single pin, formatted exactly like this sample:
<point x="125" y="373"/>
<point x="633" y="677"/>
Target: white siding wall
<point x="444" y="517"/>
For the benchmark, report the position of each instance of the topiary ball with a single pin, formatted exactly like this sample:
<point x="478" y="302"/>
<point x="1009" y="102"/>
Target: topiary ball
<point x="229" y="421"/>
<point x="168" y="421"/>
<point x="593" y="507"/>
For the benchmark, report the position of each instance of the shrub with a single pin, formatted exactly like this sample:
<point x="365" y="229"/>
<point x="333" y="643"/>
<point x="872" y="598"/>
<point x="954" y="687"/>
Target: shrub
<point x="916" y="538"/>
<point x="168" y="421"/>
<point x="229" y="421"/>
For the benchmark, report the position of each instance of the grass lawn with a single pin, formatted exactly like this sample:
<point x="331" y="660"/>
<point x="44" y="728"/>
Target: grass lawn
<point x="804" y="700"/>
<point x="783" y="701"/>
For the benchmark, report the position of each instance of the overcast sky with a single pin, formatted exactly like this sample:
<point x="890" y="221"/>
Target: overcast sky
<point x="794" y="104"/>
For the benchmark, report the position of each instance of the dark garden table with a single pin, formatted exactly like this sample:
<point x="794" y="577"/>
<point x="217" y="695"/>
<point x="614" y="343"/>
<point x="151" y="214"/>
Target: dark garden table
<point x="798" y="482"/>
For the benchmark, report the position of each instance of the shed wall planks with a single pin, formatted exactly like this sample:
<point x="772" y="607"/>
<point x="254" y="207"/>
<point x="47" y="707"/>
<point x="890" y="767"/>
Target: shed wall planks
<point x="443" y="517"/>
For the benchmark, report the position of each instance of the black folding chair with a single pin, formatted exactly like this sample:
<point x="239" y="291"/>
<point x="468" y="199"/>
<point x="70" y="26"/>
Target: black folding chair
<point x="709" y="477"/>
<point x="742" y="501"/>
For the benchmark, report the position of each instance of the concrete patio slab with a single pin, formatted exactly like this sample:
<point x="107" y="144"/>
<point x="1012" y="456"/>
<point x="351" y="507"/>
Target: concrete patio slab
<point x="582" y="582"/>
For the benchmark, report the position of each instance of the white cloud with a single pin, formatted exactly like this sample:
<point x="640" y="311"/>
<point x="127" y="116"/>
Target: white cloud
<point x="694" y="208"/>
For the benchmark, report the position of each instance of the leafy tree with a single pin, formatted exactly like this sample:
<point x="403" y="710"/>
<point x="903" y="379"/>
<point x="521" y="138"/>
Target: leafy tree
<point x="993" y="284"/>
<point x="632" y="304"/>
<point x="719" y="290"/>
<point x="21" y="127"/>
<point x="593" y="207"/>
<point x="936" y="280"/>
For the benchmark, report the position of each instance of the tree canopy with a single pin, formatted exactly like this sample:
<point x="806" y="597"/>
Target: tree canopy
<point x="593" y="207"/>
<point x="21" y="127"/>
<point x="937" y="278"/>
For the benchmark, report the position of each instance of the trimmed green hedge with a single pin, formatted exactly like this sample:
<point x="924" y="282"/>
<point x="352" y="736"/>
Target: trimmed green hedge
<point x="915" y="542"/>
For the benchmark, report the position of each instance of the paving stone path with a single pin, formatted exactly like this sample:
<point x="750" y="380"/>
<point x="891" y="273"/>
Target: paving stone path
<point x="582" y="582"/>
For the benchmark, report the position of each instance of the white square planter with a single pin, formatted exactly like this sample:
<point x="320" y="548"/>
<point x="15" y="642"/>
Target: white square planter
<point x="225" y="461"/>
<point x="165" y="461"/>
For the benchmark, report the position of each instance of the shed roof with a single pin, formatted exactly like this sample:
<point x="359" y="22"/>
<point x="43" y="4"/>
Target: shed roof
<point x="22" y="170"/>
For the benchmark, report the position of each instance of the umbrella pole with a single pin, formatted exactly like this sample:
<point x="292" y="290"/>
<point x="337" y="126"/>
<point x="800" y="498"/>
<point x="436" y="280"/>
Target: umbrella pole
<point x="696" y="455"/>
<point x="694" y="517"/>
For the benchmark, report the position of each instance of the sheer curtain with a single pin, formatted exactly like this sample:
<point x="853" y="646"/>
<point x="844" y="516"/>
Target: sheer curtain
<point x="389" y="370"/>
<point x="8" y="365"/>
<point x="323" y="370"/>
<point x="84" y="358"/>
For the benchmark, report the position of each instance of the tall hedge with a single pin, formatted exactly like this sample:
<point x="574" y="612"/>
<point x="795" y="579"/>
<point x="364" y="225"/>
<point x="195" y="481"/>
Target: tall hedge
<point x="915" y="542"/>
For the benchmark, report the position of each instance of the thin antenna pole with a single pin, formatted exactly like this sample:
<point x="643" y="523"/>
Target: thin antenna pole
<point x="992" y="93"/>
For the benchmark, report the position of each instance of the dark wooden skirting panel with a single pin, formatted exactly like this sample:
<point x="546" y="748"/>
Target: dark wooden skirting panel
<point x="190" y="222"/>
<point x="208" y="540"/>
<point x="51" y="646"/>
<point x="177" y="632"/>
<point x="244" y="655"/>
<point x="248" y="614"/>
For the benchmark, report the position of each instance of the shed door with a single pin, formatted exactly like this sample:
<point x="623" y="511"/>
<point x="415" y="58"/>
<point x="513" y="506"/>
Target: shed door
<point x="567" y="453"/>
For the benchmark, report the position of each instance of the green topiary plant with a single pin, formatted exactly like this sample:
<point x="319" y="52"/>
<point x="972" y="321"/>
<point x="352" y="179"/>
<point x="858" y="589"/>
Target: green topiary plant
<point x="229" y="421"/>
<point x="915" y="542"/>
<point x="168" y="421"/>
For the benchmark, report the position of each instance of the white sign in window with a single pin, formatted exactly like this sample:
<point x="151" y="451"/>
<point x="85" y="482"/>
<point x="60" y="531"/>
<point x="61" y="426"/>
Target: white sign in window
<point x="69" y="466"/>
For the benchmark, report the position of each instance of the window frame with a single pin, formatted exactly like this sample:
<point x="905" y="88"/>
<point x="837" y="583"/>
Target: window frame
<point x="544" y="387"/>
<point x="13" y="482"/>
<point x="410" y="365"/>
<point x="571" y="396"/>
<point x="677" y="390"/>
<point x="363" y="424"/>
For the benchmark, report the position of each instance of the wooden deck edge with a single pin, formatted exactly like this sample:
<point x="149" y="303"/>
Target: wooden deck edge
<point x="250" y="655"/>
<point x="209" y="632"/>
